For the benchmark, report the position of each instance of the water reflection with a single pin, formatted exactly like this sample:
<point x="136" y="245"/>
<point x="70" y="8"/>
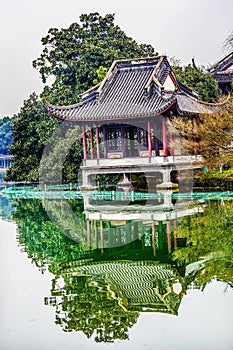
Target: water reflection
<point x="124" y="259"/>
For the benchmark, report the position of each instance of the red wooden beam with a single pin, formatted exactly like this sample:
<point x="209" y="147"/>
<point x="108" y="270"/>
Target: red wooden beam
<point x="165" y="150"/>
<point x="84" y="142"/>
<point x="97" y="142"/>
<point x="92" y="144"/>
<point x="149" y="139"/>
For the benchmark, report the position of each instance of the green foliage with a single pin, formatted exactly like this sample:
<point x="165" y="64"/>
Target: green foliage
<point x="71" y="169"/>
<point x="6" y="137"/>
<point x="101" y="72"/>
<point x="209" y="237"/>
<point x="44" y="242"/>
<point x="91" y="310"/>
<point x="215" y="179"/>
<point x="197" y="79"/>
<point x="74" y="56"/>
<point x="62" y="155"/>
<point x="32" y="127"/>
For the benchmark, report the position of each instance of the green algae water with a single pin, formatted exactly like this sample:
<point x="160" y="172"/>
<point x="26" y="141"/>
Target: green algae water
<point x="90" y="273"/>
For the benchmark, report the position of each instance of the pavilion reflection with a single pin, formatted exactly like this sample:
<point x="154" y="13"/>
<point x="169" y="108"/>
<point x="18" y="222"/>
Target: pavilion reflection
<point x="104" y="298"/>
<point x="127" y="269"/>
<point x="149" y="225"/>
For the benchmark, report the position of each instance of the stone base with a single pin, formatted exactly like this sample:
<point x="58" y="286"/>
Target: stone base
<point x="124" y="186"/>
<point x="87" y="188"/>
<point x="167" y="186"/>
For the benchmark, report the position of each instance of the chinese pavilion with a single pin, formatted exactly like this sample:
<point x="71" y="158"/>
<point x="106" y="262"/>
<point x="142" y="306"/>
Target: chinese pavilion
<point x="125" y="120"/>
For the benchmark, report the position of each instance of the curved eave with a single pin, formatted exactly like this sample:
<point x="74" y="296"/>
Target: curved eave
<point x="198" y="107"/>
<point x="59" y="116"/>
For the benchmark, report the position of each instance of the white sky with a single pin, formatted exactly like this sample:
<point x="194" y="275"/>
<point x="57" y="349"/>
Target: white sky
<point x="180" y="28"/>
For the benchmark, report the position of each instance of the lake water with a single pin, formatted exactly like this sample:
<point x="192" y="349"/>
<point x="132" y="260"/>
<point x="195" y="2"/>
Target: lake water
<point x="110" y="275"/>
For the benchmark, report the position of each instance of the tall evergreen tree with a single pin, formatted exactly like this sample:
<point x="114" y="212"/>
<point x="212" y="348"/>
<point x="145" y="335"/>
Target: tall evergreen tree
<point x="31" y="129"/>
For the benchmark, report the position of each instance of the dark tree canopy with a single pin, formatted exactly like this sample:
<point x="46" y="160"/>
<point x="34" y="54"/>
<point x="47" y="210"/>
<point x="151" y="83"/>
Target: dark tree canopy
<point x="31" y="128"/>
<point x="74" y="55"/>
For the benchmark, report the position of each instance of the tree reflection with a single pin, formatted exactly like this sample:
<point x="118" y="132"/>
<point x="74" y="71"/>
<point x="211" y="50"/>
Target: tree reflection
<point x="44" y="243"/>
<point x="209" y="240"/>
<point x="84" y="307"/>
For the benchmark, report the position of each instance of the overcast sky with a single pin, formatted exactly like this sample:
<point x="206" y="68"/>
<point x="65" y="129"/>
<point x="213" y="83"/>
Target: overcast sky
<point x="180" y="28"/>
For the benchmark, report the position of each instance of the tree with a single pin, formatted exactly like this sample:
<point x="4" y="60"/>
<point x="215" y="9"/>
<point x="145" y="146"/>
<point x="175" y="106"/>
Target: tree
<point x="31" y="129"/>
<point x="73" y="56"/>
<point x="210" y="134"/>
<point x="197" y="79"/>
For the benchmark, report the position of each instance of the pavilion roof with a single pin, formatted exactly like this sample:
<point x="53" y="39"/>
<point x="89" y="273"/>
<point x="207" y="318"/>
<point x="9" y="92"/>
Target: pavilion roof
<point x="137" y="285"/>
<point x="222" y="64"/>
<point x="223" y="69"/>
<point x="133" y="88"/>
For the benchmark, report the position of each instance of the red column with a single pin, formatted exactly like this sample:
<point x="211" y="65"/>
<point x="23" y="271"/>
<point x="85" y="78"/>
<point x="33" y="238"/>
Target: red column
<point x="92" y="144"/>
<point x="149" y="139"/>
<point x="97" y="142"/>
<point x="84" y="142"/>
<point x="165" y="150"/>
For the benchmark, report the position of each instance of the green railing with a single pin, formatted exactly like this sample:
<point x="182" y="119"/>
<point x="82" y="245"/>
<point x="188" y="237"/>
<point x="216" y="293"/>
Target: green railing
<point x="68" y="191"/>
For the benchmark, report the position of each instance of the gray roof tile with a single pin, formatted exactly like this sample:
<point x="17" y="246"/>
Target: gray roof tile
<point x="131" y="89"/>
